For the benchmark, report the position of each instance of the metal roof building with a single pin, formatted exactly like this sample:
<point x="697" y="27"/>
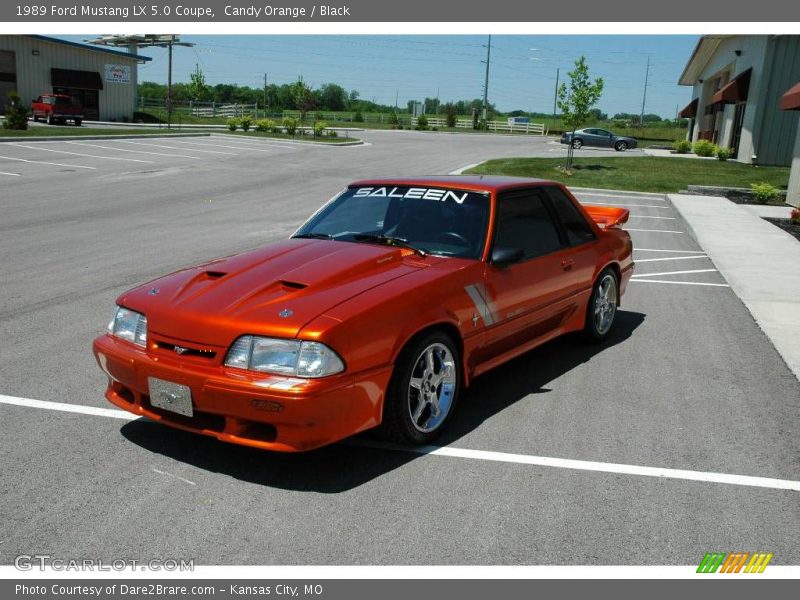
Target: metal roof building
<point x="737" y="84"/>
<point x="103" y="80"/>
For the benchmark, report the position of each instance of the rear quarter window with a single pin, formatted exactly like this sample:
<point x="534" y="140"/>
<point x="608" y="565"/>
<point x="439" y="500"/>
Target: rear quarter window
<point x="578" y="229"/>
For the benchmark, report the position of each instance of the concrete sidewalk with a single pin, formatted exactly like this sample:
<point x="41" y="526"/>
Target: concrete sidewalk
<point x="759" y="261"/>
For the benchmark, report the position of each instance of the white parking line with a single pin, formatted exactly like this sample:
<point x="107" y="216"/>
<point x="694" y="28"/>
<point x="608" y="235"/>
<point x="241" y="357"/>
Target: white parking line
<point x="135" y="151"/>
<point x="79" y="154"/>
<point x="651" y="217"/>
<point x="653" y="230"/>
<point x="44" y="162"/>
<point x="660" y="250"/>
<point x="11" y="174"/>
<point x="215" y="145"/>
<point x="678" y="282"/>
<point x="585" y="465"/>
<point x="643" y="260"/>
<point x="675" y="273"/>
<point x="502" y="457"/>
<point x="589" y="202"/>
<point x="654" y="197"/>
<point x="174" y="148"/>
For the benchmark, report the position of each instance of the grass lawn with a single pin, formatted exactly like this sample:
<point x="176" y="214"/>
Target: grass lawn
<point x="59" y="131"/>
<point x="645" y="174"/>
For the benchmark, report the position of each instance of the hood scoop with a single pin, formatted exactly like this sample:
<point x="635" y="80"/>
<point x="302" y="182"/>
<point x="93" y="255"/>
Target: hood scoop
<point x="291" y="286"/>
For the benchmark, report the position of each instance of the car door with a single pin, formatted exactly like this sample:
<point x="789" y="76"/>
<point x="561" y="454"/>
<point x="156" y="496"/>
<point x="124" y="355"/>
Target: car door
<point x="530" y="299"/>
<point x="604" y="138"/>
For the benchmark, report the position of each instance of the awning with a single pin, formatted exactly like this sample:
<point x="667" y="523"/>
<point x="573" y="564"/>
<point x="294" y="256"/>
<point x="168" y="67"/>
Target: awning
<point x="791" y="99"/>
<point x="84" y="80"/>
<point x="736" y="90"/>
<point x="714" y="108"/>
<point x="690" y="110"/>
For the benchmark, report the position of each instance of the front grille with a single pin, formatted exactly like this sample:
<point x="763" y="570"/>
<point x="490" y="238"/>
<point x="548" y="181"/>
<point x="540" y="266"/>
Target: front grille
<point x="185" y="350"/>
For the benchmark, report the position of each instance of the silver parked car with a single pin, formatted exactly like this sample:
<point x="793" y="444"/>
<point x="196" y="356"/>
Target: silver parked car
<point x="602" y="138"/>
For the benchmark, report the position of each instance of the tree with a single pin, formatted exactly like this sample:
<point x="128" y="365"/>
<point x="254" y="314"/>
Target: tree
<point x="303" y="98"/>
<point x="197" y="88"/>
<point x="576" y="101"/>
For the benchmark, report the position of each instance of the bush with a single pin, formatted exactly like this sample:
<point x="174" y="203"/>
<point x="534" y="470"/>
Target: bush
<point x="358" y="117"/>
<point x="265" y="125"/>
<point x="290" y="124"/>
<point x="682" y="147"/>
<point x="319" y="128"/>
<point x="795" y="216"/>
<point x="393" y="120"/>
<point x="246" y="122"/>
<point x="434" y="129"/>
<point x="422" y="123"/>
<point x="232" y="123"/>
<point x="451" y="120"/>
<point x="764" y="192"/>
<point x="704" y="148"/>
<point x="333" y="133"/>
<point x="16" y="113"/>
<point x="724" y="154"/>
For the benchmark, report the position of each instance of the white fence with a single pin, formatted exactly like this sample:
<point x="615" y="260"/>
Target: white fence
<point x="504" y="126"/>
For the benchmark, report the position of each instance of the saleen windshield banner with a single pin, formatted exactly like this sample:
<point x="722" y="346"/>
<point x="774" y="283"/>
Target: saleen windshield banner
<point x="472" y="11"/>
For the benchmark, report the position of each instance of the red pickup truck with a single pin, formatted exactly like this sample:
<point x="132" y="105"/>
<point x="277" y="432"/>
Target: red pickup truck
<point x="57" y="108"/>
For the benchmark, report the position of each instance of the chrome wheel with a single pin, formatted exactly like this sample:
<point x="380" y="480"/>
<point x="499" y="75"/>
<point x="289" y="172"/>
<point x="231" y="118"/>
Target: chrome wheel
<point x="605" y="303"/>
<point x="621" y="147"/>
<point x="576" y="144"/>
<point x="431" y="388"/>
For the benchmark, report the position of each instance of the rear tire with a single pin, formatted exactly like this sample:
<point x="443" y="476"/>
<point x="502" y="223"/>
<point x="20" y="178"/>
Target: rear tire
<point x="78" y="122"/>
<point x="602" y="308"/>
<point x="36" y="118"/>
<point x="49" y="119"/>
<point x="424" y="389"/>
<point x="576" y="144"/>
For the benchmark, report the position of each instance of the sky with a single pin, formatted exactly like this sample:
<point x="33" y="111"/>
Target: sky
<point x="522" y="72"/>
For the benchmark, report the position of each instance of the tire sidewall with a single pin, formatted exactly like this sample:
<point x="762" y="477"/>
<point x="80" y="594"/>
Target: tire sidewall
<point x="620" y="146"/>
<point x="577" y="144"/>
<point x="396" y="412"/>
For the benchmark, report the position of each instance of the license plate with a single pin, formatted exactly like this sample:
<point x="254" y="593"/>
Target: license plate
<point x="173" y="397"/>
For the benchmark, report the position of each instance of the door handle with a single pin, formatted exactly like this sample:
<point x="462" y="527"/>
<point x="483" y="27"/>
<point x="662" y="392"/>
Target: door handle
<point x="567" y="263"/>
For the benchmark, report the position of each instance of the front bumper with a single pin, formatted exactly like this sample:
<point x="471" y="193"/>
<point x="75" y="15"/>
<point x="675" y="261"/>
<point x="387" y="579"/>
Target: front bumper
<point x="263" y="411"/>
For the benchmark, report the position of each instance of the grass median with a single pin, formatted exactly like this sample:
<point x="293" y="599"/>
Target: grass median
<point x="642" y="174"/>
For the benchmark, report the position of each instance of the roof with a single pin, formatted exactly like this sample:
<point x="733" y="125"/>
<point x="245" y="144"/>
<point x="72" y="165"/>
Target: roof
<point x="119" y="53"/>
<point x="484" y="183"/>
<point x="703" y="51"/>
<point x="791" y="99"/>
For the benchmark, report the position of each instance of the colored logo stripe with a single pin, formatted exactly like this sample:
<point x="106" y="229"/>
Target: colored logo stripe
<point x="733" y="562"/>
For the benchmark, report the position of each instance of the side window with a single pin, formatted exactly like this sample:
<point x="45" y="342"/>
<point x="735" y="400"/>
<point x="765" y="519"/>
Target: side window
<point x="524" y="222"/>
<point x="39" y="99"/>
<point x="578" y="230"/>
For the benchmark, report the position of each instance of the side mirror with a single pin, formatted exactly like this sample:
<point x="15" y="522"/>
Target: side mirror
<point x="503" y="256"/>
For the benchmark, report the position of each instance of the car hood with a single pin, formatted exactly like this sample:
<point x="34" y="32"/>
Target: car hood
<point x="274" y="290"/>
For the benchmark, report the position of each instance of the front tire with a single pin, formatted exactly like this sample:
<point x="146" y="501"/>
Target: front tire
<point x="576" y="144"/>
<point x="49" y="119"/>
<point x="423" y="391"/>
<point x="78" y="122"/>
<point x="602" y="308"/>
<point x="620" y="146"/>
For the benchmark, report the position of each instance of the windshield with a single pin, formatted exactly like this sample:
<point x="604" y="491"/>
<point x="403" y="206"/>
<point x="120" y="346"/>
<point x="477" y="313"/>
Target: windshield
<point x="432" y="220"/>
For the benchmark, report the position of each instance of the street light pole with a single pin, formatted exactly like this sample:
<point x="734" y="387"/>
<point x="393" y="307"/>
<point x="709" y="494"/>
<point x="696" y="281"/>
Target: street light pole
<point x="486" y="82"/>
<point x="169" y="82"/>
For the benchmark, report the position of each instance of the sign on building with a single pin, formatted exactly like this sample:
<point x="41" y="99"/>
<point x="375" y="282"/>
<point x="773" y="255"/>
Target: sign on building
<point x="118" y="73"/>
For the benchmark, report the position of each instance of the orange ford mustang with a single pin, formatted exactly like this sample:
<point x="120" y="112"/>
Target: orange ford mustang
<point x="378" y="312"/>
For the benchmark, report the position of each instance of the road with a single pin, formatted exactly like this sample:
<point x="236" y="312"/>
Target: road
<point x="686" y="383"/>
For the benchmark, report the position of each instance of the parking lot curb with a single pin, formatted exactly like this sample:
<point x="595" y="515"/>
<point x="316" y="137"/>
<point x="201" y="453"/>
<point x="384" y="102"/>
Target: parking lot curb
<point x="56" y="138"/>
<point x="758" y="260"/>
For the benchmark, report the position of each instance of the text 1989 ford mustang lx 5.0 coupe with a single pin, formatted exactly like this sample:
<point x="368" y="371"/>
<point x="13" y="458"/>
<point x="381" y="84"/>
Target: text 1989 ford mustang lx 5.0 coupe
<point x="377" y="312"/>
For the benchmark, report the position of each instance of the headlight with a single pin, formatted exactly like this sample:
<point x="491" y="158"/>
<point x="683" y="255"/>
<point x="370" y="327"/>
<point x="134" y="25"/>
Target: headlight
<point x="129" y="325"/>
<point x="283" y="357"/>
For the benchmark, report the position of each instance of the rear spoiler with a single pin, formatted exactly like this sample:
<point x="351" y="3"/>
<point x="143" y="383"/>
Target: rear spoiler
<point x="607" y="217"/>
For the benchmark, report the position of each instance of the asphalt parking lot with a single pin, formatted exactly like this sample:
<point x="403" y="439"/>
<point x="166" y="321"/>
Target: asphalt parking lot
<point x="668" y="442"/>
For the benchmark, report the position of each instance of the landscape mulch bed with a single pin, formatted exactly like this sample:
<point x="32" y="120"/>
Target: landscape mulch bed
<point x="787" y="225"/>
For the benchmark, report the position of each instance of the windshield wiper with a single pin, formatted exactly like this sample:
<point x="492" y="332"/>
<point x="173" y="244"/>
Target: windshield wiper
<point x="389" y="240"/>
<point x="314" y="236"/>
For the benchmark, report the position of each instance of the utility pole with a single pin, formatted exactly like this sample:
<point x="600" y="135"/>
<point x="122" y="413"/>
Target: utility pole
<point x="644" y="94"/>
<point x="169" y="82"/>
<point x="265" y="95"/>
<point x="396" y="96"/>
<point x="486" y="81"/>
<point x="437" y="103"/>
<point x="555" y="98"/>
